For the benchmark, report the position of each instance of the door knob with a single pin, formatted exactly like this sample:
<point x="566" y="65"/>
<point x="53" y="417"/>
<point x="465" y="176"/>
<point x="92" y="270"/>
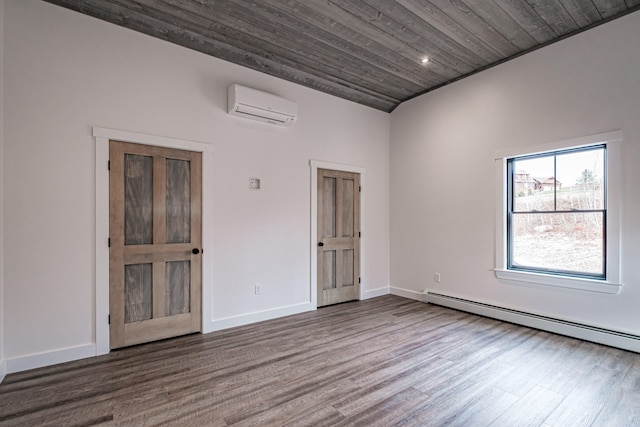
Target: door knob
<point x="195" y="251"/>
<point x="320" y="244"/>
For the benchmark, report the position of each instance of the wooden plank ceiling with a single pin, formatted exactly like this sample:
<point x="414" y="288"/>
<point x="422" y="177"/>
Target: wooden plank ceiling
<point x="366" y="51"/>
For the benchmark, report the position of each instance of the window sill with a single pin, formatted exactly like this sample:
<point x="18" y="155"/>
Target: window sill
<point x="591" y="285"/>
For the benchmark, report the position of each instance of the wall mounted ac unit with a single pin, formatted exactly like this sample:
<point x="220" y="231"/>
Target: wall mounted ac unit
<point x="257" y="105"/>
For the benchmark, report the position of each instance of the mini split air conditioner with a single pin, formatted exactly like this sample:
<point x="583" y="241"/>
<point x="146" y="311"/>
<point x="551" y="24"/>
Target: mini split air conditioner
<point x="265" y="107"/>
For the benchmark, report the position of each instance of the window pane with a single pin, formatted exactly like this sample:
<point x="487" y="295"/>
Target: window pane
<point x="533" y="184"/>
<point x="581" y="186"/>
<point x="570" y="242"/>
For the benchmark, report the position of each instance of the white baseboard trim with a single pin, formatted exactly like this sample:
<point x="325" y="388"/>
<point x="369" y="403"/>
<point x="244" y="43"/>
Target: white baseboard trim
<point x="3" y="370"/>
<point x="595" y="334"/>
<point x="38" y="360"/>
<point x="378" y="292"/>
<point x="406" y="293"/>
<point x="258" y="316"/>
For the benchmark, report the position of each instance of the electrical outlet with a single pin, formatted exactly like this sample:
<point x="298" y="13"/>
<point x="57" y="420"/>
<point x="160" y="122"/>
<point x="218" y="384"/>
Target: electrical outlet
<point x="257" y="289"/>
<point x="436" y="277"/>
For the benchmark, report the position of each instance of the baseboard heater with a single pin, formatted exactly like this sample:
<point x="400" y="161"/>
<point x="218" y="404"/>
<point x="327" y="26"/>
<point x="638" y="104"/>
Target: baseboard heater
<point x="575" y="330"/>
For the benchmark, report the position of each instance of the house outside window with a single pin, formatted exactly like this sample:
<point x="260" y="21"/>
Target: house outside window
<point x="558" y="214"/>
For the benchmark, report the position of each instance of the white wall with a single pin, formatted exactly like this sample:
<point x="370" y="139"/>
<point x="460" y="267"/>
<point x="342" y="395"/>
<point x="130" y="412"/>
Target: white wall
<point x="66" y="72"/>
<point x="2" y="363"/>
<point x="442" y="168"/>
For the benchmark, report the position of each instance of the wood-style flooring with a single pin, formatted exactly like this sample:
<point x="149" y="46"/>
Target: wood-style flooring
<point x="381" y="362"/>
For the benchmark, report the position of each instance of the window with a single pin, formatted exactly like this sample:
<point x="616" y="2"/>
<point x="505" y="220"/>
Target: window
<point x="556" y="219"/>
<point x="558" y="214"/>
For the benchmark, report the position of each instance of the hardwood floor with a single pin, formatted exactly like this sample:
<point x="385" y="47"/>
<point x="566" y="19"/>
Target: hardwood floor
<point x="381" y="362"/>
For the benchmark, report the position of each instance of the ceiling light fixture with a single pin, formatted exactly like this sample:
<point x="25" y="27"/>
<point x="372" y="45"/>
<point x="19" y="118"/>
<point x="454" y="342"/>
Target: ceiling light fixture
<point x="424" y="60"/>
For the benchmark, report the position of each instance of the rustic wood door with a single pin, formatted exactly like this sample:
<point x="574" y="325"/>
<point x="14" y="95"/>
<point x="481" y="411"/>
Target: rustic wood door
<point x="155" y="269"/>
<point x="338" y="236"/>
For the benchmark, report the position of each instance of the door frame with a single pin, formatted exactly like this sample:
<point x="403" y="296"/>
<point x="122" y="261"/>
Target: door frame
<point x="315" y="165"/>
<point x="102" y="137"/>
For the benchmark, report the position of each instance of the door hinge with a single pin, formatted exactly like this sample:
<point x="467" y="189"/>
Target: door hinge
<point x="109" y="242"/>
<point x="109" y="319"/>
<point x="109" y="165"/>
<point x="360" y="188"/>
<point x="359" y="280"/>
<point x="359" y="234"/>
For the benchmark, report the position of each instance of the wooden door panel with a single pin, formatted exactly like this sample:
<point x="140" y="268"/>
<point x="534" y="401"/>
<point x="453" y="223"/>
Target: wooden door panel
<point x="156" y="329"/>
<point x="138" y="198"/>
<point x="138" y="292"/>
<point x="347" y="267"/>
<point x="159" y="276"/>
<point x="155" y="223"/>
<point x="178" y="201"/>
<point x="328" y="270"/>
<point x="329" y="192"/>
<point x="338" y="237"/>
<point x="177" y="286"/>
<point x="347" y="207"/>
<point x="178" y="251"/>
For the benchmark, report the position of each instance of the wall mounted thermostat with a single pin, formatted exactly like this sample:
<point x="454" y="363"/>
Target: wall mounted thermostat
<point x="254" y="183"/>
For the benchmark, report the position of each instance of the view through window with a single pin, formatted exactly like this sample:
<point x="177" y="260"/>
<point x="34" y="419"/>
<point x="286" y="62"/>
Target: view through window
<point x="556" y="219"/>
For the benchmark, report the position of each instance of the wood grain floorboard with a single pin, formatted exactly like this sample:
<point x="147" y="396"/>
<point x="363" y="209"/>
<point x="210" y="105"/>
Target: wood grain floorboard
<point x="386" y="361"/>
<point x="531" y="410"/>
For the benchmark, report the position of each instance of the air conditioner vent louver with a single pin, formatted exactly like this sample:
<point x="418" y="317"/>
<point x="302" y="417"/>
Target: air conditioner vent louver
<point x="256" y="105"/>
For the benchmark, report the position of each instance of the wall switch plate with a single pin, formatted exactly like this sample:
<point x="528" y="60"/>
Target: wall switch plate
<point x="258" y="289"/>
<point x="436" y="277"/>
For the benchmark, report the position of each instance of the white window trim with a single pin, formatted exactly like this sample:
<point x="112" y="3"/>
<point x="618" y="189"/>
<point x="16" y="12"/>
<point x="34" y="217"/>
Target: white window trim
<point x="613" y="282"/>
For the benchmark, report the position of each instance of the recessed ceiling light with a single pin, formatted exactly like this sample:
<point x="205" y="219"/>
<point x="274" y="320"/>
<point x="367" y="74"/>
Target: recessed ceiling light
<point x="424" y="60"/>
